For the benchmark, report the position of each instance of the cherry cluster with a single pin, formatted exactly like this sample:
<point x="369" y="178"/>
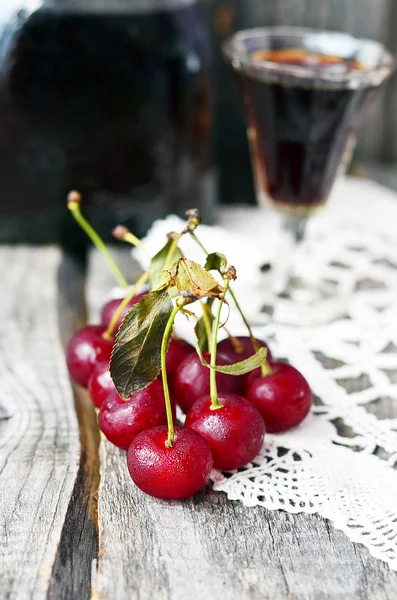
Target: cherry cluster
<point x="137" y="371"/>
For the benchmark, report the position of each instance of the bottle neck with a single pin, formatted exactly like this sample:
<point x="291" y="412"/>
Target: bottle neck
<point x="116" y="6"/>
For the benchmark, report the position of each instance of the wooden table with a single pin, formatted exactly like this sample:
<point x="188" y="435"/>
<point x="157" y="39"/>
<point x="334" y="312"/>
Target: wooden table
<point x="72" y="525"/>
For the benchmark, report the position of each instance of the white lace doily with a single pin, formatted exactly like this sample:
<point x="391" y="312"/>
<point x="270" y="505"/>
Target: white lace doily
<point x="351" y="365"/>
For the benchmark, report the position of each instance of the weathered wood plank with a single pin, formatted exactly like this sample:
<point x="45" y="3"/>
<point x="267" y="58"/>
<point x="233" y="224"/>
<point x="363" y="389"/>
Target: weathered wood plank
<point x="210" y="547"/>
<point x="39" y="438"/>
<point x="78" y="546"/>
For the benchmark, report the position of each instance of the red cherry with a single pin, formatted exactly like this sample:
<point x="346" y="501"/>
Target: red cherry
<point x="192" y="380"/>
<point x="178" y="350"/>
<point x="100" y="384"/>
<point x="283" y="398"/>
<point x="86" y="348"/>
<point x="227" y="349"/>
<point x="169" y="473"/>
<point x="234" y="432"/>
<point x="110" y="308"/>
<point x="121" y="420"/>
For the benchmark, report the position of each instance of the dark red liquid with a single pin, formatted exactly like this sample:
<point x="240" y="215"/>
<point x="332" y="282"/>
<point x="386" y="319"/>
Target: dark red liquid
<point x="298" y="135"/>
<point x="113" y="105"/>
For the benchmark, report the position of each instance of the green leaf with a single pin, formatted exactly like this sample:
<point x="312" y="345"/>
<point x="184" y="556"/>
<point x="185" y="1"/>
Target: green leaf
<point x="238" y="368"/>
<point x="216" y="262"/>
<point x="194" y="280"/>
<point x="136" y="356"/>
<point x="163" y="260"/>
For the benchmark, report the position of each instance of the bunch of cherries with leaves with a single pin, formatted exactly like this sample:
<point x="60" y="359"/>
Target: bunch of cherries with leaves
<point x="136" y="372"/>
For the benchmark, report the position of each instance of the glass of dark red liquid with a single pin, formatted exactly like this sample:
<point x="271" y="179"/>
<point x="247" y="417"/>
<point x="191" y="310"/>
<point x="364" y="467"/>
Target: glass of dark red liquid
<point x="304" y="94"/>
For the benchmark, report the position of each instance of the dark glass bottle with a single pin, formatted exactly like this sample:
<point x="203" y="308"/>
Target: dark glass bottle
<point x="109" y="97"/>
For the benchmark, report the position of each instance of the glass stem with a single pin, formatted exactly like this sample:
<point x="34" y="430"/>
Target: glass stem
<point x="292" y="233"/>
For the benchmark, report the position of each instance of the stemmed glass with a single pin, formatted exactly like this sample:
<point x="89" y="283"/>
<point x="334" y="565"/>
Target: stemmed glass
<point x="304" y="94"/>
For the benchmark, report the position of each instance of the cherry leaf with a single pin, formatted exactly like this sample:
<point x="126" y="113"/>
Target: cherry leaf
<point x="163" y="260"/>
<point x="216" y="262"/>
<point x="238" y="368"/>
<point x="136" y="357"/>
<point x="194" y="280"/>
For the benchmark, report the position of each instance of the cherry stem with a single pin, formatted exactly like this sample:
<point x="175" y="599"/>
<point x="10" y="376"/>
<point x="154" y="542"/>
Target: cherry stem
<point x="171" y="250"/>
<point x="74" y="207"/>
<point x="206" y="318"/>
<point x="108" y="334"/>
<point x="237" y="346"/>
<point x="195" y="238"/>
<point x="215" y="404"/>
<point x="164" y="344"/>
<point x="122" y="233"/>
<point x="265" y="368"/>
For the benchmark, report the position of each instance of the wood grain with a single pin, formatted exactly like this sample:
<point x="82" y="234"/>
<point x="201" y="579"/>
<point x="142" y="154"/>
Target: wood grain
<point x="39" y="437"/>
<point x="210" y="547"/>
<point x="78" y="545"/>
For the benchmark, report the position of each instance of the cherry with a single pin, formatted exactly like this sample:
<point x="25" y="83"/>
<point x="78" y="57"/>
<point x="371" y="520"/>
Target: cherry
<point x="86" y="348"/>
<point x="192" y="380"/>
<point x="121" y="420"/>
<point x="178" y="350"/>
<point x="228" y="350"/>
<point x="100" y="384"/>
<point x="251" y="375"/>
<point x="110" y="308"/>
<point x="234" y="432"/>
<point x="283" y="398"/>
<point x="169" y="473"/>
